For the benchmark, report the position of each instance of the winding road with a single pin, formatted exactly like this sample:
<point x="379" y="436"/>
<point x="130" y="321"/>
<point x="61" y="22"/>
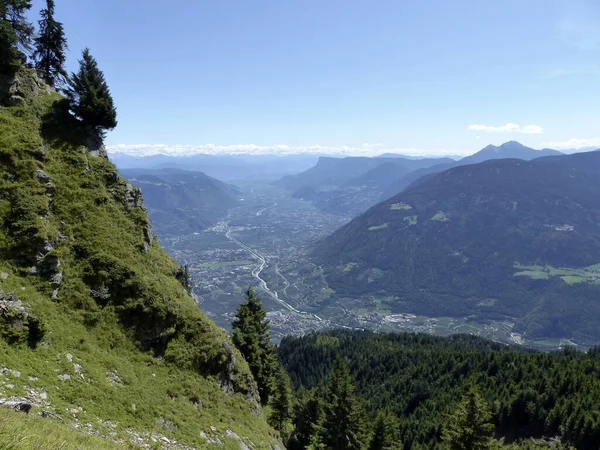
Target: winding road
<point x="224" y="225"/>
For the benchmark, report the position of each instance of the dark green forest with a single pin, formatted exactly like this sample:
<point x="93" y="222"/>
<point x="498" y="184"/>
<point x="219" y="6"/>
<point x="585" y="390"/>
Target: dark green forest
<point x="422" y="380"/>
<point x="501" y="240"/>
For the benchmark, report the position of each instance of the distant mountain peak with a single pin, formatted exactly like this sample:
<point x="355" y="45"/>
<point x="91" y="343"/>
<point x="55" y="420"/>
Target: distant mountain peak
<point x="477" y="239"/>
<point x="510" y="145"/>
<point x="510" y="149"/>
<point x="513" y="144"/>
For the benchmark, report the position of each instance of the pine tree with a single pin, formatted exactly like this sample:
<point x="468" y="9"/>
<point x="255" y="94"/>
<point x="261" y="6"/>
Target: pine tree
<point x="15" y="33"/>
<point x="469" y="427"/>
<point x="386" y="432"/>
<point x="50" y="47"/>
<point x="344" y="421"/>
<point x="281" y="402"/>
<point x="252" y="336"/>
<point x="90" y="98"/>
<point x="309" y="413"/>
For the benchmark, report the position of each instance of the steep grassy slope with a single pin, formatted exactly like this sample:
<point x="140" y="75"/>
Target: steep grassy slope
<point x="96" y="330"/>
<point x="501" y="239"/>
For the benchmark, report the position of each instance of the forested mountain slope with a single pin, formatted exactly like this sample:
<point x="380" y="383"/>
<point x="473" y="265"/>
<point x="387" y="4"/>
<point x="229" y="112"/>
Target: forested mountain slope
<point x="334" y="172"/>
<point x="422" y="379"/>
<point x="506" y="238"/>
<point x="95" y="328"/>
<point x="510" y="149"/>
<point x="507" y="150"/>
<point x="181" y="201"/>
<point x="352" y="185"/>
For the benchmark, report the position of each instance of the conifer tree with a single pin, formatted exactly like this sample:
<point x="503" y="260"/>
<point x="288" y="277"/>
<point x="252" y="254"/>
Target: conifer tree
<point x="50" y="47"/>
<point x="309" y="413"/>
<point x="344" y="421"/>
<point x="15" y="33"/>
<point x="469" y="427"/>
<point x="386" y="432"/>
<point x="281" y="401"/>
<point x="90" y="98"/>
<point x="252" y="336"/>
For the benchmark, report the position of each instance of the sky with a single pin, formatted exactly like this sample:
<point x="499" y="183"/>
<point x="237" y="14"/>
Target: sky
<point x="426" y="77"/>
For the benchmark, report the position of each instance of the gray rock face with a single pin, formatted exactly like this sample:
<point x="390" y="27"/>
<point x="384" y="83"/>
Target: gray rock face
<point x="13" y="88"/>
<point x="56" y="279"/>
<point x="38" y="249"/>
<point x="16" y="315"/>
<point x="95" y="144"/>
<point x="148" y="234"/>
<point x="45" y="180"/>
<point x="49" y="266"/>
<point x="133" y="196"/>
<point x="42" y="176"/>
<point x="13" y="310"/>
<point x="227" y="375"/>
<point x="99" y="153"/>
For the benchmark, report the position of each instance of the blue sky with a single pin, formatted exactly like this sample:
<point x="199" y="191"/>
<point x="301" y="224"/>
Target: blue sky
<point x="356" y="76"/>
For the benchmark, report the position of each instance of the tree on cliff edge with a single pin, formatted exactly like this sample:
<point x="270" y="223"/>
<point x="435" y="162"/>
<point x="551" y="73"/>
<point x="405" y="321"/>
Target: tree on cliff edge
<point x="90" y="98"/>
<point x="15" y="33"/>
<point x="50" y="47"/>
<point x="252" y="336"/>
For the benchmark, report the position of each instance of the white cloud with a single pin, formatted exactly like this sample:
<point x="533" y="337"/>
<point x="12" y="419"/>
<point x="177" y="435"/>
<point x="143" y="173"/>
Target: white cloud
<point x="508" y="128"/>
<point x="574" y="143"/>
<point x="251" y="149"/>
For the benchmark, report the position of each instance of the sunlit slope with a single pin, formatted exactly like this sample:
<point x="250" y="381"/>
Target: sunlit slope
<point x="96" y="329"/>
<point x="502" y="239"/>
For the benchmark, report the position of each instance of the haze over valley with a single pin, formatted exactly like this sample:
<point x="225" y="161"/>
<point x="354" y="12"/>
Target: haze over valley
<point x="290" y="236"/>
<point x="299" y="225"/>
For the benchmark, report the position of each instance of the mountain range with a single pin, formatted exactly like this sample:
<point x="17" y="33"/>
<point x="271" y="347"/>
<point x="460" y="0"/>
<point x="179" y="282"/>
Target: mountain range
<point x="332" y="172"/>
<point x="352" y="185"/>
<point x="505" y="238"/>
<point x="223" y="167"/>
<point x="181" y="201"/>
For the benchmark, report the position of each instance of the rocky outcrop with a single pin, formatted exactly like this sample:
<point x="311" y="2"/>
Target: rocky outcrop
<point x="227" y="380"/>
<point x="131" y="197"/>
<point x="17" y="323"/>
<point x="16" y="89"/>
<point x="45" y="180"/>
<point x="45" y="263"/>
<point x="134" y="199"/>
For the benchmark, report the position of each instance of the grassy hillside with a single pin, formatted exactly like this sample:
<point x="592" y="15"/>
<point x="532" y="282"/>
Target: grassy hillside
<point x="506" y="239"/>
<point x="96" y="331"/>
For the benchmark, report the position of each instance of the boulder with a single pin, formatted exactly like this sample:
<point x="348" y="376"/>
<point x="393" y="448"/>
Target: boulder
<point x="49" y="265"/>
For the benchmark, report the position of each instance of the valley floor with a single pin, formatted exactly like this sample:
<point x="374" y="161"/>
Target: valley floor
<point x="265" y="242"/>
